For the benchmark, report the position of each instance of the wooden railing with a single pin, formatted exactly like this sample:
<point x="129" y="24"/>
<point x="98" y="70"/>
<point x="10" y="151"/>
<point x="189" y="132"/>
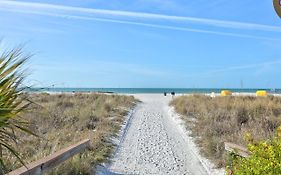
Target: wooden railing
<point x="236" y="149"/>
<point x="43" y="165"/>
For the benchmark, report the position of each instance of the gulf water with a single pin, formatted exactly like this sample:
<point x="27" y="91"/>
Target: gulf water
<point x="150" y="90"/>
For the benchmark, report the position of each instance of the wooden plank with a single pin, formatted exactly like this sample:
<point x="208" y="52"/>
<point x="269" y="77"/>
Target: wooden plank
<point x="49" y="162"/>
<point x="239" y="150"/>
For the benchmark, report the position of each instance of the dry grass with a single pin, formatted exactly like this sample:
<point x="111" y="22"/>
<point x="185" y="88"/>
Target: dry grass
<point x="216" y="120"/>
<point x="63" y="120"/>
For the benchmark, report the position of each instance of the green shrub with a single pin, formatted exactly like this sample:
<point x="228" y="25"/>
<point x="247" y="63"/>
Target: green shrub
<point x="264" y="160"/>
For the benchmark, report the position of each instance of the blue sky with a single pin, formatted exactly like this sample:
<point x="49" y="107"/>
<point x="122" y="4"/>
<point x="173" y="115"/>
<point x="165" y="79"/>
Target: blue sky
<point x="146" y="43"/>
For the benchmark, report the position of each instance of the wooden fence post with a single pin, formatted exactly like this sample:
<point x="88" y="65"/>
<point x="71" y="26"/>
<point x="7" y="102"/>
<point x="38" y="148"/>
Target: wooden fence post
<point x="237" y="150"/>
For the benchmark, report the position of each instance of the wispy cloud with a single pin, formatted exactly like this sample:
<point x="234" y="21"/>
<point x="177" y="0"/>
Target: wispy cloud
<point x="102" y="68"/>
<point x="248" y="66"/>
<point x="102" y="15"/>
<point x="260" y="66"/>
<point x="169" y="27"/>
<point x="212" y="22"/>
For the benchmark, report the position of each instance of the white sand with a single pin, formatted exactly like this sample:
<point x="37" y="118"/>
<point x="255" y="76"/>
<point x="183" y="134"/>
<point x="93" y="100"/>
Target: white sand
<point x="156" y="142"/>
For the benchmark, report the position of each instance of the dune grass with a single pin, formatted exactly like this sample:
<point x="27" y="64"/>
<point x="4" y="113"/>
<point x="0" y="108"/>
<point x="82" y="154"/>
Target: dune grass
<point x="62" y="120"/>
<point x="216" y="120"/>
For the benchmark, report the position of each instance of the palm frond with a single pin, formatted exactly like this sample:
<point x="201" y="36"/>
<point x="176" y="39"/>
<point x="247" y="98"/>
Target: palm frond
<point x="11" y="102"/>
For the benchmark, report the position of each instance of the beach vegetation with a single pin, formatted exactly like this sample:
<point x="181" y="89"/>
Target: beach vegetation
<point x="214" y="121"/>
<point x="62" y="120"/>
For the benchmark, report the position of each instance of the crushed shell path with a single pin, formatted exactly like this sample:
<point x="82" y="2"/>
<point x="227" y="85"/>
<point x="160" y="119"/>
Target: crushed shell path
<point x="154" y="144"/>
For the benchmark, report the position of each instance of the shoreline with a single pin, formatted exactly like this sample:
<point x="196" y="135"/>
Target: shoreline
<point x="252" y="94"/>
<point x="150" y="90"/>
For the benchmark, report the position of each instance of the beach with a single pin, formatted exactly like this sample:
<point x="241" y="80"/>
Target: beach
<point x="156" y="142"/>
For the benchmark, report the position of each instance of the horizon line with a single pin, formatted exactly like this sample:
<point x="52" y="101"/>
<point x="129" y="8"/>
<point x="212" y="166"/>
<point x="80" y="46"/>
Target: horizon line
<point x="147" y="88"/>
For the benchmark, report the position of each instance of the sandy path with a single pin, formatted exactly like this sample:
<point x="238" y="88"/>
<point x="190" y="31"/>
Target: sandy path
<point x="155" y="144"/>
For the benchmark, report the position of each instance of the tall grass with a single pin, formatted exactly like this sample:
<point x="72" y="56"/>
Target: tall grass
<point x="64" y="119"/>
<point x="216" y="120"/>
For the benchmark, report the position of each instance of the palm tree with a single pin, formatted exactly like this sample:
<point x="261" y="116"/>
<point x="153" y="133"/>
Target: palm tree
<point x="12" y="101"/>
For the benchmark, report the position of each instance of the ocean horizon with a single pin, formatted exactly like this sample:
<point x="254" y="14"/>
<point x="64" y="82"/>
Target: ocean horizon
<point x="151" y="90"/>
